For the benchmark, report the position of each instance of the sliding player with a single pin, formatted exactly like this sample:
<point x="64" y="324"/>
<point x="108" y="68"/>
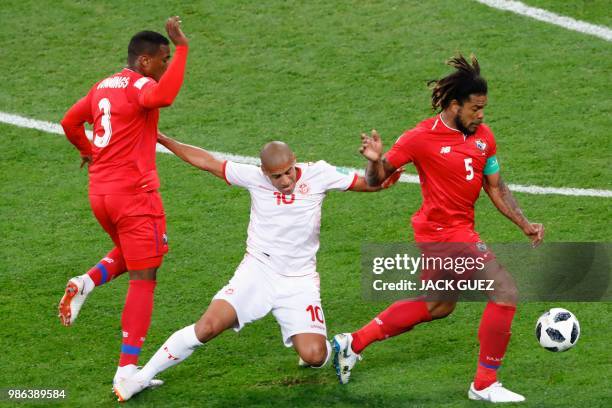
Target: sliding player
<point x="278" y="273"/>
<point x="455" y="156"/>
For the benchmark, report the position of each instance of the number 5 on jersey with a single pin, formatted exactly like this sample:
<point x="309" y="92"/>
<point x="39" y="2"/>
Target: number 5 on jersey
<point x="105" y="108"/>
<point x="469" y="169"/>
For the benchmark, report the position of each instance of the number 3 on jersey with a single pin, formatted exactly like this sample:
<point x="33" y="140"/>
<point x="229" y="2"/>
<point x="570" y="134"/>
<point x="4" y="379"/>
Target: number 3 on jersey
<point x="105" y="108"/>
<point x="469" y="169"/>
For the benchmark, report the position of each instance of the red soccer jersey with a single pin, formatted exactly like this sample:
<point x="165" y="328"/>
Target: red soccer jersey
<point x="450" y="167"/>
<point x="124" y="110"/>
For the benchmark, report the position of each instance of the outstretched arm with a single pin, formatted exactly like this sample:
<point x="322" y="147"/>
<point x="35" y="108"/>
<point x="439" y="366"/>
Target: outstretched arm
<point x="502" y="197"/>
<point x="361" y="185"/>
<point x="378" y="169"/>
<point x="163" y="93"/>
<point x="193" y="155"/>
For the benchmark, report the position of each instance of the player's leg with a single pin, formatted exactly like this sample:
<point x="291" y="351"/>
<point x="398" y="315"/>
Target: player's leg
<point x="219" y="317"/>
<point x="112" y="265"/>
<point x="313" y="348"/>
<point x="494" y="335"/>
<point x="136" y="319"/>
<point x="398" y="318"/>
<point x="299" y="313"/>
<point x="242" y="300"/>
<point x="141" y="228"/>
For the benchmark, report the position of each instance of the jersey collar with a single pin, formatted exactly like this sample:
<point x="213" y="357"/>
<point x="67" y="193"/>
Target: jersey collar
<point x="451" y="128"/>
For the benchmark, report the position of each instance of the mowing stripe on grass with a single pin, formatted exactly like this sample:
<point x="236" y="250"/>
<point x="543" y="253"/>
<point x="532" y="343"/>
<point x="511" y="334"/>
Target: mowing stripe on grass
<point x="521" y="8"/>
<point x="55" y="128"/>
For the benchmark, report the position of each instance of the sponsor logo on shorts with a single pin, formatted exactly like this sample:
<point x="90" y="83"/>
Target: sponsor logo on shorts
<point x="108" y="260"/>
<point x="445" y="150"/>
<point x="229" y="291"/>
<point x="165" y="238"/>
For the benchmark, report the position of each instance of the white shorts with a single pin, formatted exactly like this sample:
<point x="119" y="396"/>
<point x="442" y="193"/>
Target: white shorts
<point x="295" y="301"/>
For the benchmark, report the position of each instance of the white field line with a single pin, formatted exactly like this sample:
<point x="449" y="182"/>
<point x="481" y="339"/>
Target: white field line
<point x="55" y="128"/>
<point x="521" y="8"/>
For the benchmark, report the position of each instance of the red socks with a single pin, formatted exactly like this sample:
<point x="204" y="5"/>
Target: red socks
<point x="136" y="319"/>
<point x="111" y="266"/>
<point x="494" y="335"/>
<point x="396" y="319"/>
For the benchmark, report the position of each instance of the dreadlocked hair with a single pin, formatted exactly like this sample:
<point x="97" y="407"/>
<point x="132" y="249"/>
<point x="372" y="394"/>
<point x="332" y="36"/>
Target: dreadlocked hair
<point x="459" y="85"/>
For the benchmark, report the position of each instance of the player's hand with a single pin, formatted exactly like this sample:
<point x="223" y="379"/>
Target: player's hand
<point x="393" y="178"/>
<point x="173" y="28"/>
<point x="371" y="146"/>
<point x="535" y="232"/>
<point x="86" y="160"/>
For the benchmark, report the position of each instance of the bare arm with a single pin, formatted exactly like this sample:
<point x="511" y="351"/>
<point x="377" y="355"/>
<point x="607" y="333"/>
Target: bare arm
<point x="361" y="185"/>
<point x="378" y="169"/>
<point x="502" y="198"/>
<point x="193" y="155"/>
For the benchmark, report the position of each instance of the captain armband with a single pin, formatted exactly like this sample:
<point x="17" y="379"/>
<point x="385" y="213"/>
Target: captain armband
<point x="492" y="166"/>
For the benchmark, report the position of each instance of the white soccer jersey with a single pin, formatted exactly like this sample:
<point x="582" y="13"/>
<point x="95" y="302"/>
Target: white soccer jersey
<point x="284" y="230"/>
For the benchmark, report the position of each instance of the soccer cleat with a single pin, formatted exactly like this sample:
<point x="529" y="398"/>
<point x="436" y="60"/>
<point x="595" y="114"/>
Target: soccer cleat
<point x="126" y="388"/>
<point x="74" y="297"/>
<point x="130" y="372"/>
<point x="494" y="393"/>
<point x="344" y="356"/>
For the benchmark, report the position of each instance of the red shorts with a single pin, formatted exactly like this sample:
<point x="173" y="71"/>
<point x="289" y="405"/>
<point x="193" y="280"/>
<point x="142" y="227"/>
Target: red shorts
<point x="137" y="225"/>
<point x="452" y="242"/>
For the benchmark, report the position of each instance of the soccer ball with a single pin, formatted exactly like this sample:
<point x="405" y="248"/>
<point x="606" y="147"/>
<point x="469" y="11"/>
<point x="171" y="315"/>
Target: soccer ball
<point x="557" y="330"/>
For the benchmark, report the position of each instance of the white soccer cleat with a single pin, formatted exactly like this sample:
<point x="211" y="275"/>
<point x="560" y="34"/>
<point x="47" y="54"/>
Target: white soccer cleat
<point x="344" y="356"/>
<point x="74" y="297"/>
<point x="126" y="388"/>
<point x="154" y="383"/>
<point x="494" y="393"/>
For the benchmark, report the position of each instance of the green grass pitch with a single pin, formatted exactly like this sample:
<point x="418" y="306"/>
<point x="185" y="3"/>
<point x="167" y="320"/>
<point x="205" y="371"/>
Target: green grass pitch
<point x="314" y="74"/>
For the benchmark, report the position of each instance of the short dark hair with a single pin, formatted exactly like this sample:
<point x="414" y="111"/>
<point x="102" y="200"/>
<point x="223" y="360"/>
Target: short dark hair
<point x="145" y="42"/>
<point x="459" y="85"/>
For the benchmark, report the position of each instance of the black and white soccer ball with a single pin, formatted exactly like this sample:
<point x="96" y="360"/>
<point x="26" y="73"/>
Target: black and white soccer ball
<point x="557" y="330"/>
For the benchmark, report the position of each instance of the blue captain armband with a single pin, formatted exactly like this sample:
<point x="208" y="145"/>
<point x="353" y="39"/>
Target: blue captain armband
<point x="492" y="166"/>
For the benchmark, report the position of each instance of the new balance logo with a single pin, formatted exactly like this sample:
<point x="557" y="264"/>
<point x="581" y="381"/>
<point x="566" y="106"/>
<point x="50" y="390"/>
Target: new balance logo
<point x="445" y="150"/>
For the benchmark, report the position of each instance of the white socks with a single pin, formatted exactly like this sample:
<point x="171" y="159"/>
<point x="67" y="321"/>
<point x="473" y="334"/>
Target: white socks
<point x="177" y="348"/>
<point x="124" y="372"/>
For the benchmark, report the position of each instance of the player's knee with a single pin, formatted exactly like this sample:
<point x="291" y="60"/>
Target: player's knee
<point x="506" y="293"/>
<point x="207" y="328"/>
<point x="315" y="353"/>
<point x="439" y="310"/>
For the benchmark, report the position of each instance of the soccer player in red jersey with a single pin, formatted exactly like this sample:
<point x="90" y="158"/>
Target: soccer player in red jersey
<point x="123" y="181"/>
<point x="455" y="156"/>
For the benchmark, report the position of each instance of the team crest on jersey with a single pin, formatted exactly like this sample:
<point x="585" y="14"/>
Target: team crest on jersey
<point x="303" y="188"/>
<point x="445" y="150"/>
<point x="481" y="145"/>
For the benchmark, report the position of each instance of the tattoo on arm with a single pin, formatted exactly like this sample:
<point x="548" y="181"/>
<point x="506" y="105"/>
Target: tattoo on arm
<point x="506" y="203"/>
